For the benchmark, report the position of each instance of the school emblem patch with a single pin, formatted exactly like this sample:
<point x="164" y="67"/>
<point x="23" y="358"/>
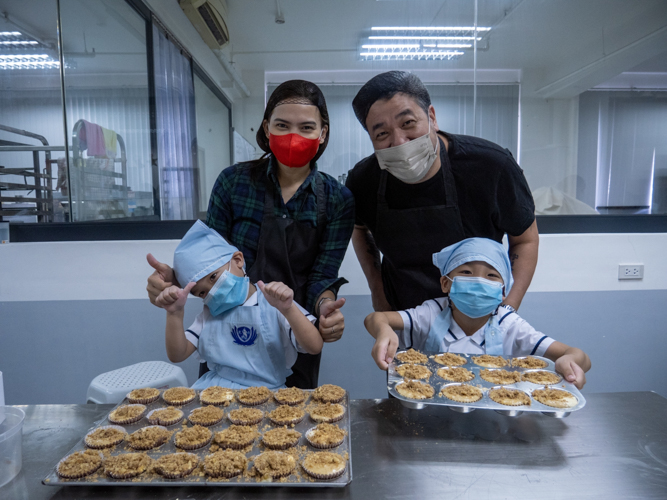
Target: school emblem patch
<point x="244" y="335"/>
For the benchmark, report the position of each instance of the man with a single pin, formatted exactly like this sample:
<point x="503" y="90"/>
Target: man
<point x="424" y="190"/>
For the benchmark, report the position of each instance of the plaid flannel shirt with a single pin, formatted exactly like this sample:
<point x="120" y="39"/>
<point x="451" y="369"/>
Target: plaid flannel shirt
<point x="236" y="210"/>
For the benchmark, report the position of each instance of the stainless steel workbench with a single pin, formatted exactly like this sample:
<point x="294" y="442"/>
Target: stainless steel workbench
<point x="616" y="447"/>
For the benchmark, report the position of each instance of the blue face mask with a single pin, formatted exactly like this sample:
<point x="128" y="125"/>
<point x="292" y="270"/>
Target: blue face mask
<point x="228" y="292"/>
<point x="475" y="297"/>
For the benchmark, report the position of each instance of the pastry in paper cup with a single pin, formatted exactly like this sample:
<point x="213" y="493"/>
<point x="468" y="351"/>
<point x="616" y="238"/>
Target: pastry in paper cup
<point x="489" y="361"/>
<point x="281" y="438"/>
<point x="324" y="465"/>
<point x="412" y="356"/>
<point x="509" y="397"/>
<point x="245" y="416"/>
<point x="236" y="437"/>
<point x="144" y="395"/>
<point x="176" y="465"/>
<point x="412" y="389"/>
<point x="206" y="416"/>
<point x="127" y="465"/>
<point x="329" y="393"/>
<point x="105" y="437"/>
<point x="216" y="395"/>
<point x="449" y="359"/>
<point x="413" y="372"/>
<point x="327" y="412"/>
<point x="556" y="398"/>
<point x="325" y="436"/>
<point x="290" y="396"/>
<point x="541" y="377"/>
<point x="286" y="415"/>
<point x="179" y="396"/>
<point x="455" y="374"/>
<point x="500" y="377"/>
<point x="461" y="393"/>
<point x="529" y="362"/>
<point x="79" y="464"/>
<point x="193" y="438"/>
<point x="274" y="464"/>
<point x="165" y="416"/>
<point x="127" y="414"/>
<point x="225" y="463"/>
<point x="148" y="437"/>
<point x="253" y="396"/>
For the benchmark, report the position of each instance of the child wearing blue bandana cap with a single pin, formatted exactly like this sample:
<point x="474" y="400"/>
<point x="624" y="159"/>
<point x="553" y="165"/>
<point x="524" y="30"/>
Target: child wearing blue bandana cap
<point x="476" y="276"/>
<point x="249" y="335"/>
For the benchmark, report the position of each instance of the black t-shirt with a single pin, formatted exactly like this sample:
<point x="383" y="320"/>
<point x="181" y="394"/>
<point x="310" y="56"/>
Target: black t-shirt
<point x="493" y="195"/>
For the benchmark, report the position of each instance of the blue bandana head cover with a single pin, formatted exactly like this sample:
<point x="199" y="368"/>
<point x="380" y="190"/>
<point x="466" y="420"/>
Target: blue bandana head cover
<point x="201" y="251"/>
<point x="472" y="249"/>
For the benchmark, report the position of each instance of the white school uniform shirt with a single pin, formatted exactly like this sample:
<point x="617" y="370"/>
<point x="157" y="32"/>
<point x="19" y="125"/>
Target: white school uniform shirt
<point x="521" y="339"/>
<point x="288" y="339"/>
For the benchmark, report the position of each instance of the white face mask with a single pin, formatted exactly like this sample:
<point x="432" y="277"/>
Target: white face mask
<point x="409" y="162"/>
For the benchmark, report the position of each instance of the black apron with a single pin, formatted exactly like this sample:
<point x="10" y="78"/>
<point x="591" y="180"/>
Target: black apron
<point x="286" y="252"/>
<point x="408" y="238"/>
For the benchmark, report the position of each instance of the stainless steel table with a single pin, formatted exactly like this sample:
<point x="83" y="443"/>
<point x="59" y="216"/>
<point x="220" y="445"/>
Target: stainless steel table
<point x="616" y="447"/>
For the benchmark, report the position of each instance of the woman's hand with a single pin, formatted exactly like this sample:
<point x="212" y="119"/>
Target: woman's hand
<point x="173" y="299"/>
<point x="162" y="278"/>
<point x="278" y="294"/>
<point x="571" y="371"/>
<point x="332" y="321"/>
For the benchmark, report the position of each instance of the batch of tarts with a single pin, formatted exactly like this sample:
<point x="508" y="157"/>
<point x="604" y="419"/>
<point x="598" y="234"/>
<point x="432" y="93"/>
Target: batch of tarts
<point x="212" y="442"/>
<point x="452" y="379"/>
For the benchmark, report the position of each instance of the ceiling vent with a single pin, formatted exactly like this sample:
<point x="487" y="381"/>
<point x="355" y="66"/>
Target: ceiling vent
<point x="208" y="17"/>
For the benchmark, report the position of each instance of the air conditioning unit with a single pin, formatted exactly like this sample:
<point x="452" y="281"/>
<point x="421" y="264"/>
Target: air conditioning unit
<point x="208" y="17"/>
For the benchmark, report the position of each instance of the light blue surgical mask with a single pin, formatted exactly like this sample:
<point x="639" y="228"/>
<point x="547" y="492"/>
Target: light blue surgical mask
<point x="228" y="292"/>
<point x="475" y="297"/>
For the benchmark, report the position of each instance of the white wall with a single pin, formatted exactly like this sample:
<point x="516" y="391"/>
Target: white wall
<point x="114" y="270"/>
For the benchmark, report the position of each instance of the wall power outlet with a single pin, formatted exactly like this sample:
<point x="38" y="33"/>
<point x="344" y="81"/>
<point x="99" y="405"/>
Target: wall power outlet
<point x="630" y="271"/>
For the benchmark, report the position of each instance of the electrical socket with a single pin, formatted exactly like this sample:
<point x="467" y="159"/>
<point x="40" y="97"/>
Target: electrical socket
<point x="630" y="271"/>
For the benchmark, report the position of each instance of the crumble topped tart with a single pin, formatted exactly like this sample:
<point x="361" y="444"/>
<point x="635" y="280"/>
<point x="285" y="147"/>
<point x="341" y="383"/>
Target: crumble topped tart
<point x="216" y="395"/>
<point x="449" y="359"/>
<point x="509" y="397"/>
<point x="105" y="437"/>
<point x="127" y="414"/>
<point x="253" y="396"/>
<point x="127" y="465"/>
<point x="165" y="416"/>
<point x="541" y="377"/>
<point x="455" y="374"/>
<point x="415" y="390"/>
<point x="225" y="463"/>
<point x="329" y="393"/>
<point x="193" y="438"/>
<point x="236" y="437"/>
<point x="286" y="415"/>
<point x="500" y="377"/>
<point x="148" y="438"/>
<point x="290" y="396"/>
<point x="79" y="464"/>
<point x="176" y="465"/>
<point x="143" y="396"/>
<point x="206" y="415"/>
<point x="462" y="393"/>
<point x="275" y="464"/>
<point x="412" y="356"/>
<point x="324" y="465"/>
<point x="489" y="361"/>
<point x="179" y="396"/>
<point x="281" y="438"/>
<point x="325" y="436"/>
<point x="413" y="372"/>
<point x="245" y="416"/>
<point x="555" y="397"/>
<point x="529" y="362"/>
<point x="327" y="412"/>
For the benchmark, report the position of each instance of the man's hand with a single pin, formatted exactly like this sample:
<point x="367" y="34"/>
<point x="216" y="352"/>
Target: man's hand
<point x="278" y="294"/>
<point x="332" y="321"/>
<point x="571" y="371"/>
<point x="173" y="299"/>
<point x="163" y="277"/>
<point x="385" y="347"/>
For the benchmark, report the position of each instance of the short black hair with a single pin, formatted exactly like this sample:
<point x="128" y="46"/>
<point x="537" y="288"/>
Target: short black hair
<point x="385" y="86"/>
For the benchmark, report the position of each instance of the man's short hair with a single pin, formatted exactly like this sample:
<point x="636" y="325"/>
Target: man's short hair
<point x="385" y="86"/>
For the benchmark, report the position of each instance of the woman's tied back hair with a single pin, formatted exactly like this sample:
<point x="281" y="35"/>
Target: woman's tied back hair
<point x="295" y="92"/>
<point x="385" y="86"/>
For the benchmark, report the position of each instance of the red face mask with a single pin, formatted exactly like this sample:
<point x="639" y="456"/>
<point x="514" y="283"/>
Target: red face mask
<point x="293" y="150"/>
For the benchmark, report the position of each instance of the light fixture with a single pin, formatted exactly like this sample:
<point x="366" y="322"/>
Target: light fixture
<point x="20" y="42"/>
<point x="420" y="42"/>
<point x="10" y="33"/>
<point x="27" y="61"/>
<point x="280" y="19"/>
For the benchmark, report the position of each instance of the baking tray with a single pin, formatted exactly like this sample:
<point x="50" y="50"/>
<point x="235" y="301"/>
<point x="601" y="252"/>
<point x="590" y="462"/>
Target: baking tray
<point x="298" y="478"/>
<point x="486" y="403"/>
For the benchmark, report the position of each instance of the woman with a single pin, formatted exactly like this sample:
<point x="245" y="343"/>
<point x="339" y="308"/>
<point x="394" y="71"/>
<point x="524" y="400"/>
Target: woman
<point x="292" y="222"/>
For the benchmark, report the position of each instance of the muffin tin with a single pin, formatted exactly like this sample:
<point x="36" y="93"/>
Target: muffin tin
<point x="486" y="403"/>
<point x="298" y="478"/>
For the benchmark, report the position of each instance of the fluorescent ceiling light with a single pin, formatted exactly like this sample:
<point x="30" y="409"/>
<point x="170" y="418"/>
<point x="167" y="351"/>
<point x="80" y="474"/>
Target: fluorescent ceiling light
<point x="22" y="42"/>
<point x="393" y="37"/>
<point x="392" y="46"/>
<point x="434" y="54"/>
<point x="432" y="28"/>
<point x="10" y="33"/>
<point x="29" y="65"/>
<point x="29" y="57"/>
<point x="453" y="45"/>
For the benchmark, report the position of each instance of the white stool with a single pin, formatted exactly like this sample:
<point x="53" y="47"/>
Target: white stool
<point x="113" y="386"/>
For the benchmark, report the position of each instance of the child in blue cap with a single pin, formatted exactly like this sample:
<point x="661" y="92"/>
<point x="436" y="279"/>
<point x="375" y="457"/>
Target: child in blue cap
<point x="248" y="334"/>
<point x="476" y="276"/>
